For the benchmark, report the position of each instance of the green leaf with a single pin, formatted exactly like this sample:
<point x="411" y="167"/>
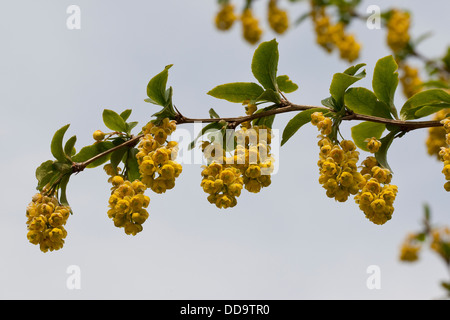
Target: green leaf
<point x="57" y="144"/>
<point x="69" y="147"/>
<point x="269" y="96"/>
<point x="132" y="165"/>
<point x="425" y="103"/>
<point x="114" y="121"/>
<point x="329" y="103"/>
<point x="91" y="151"/>
<point x="366" y="130"/>
<point x="364" y="101"/>
<point x="213" y="114"/>
<point x="156" y="88"/>
<point x="264" y="121"/>
<point x="131" y="125"/>
<point x="297" y="122"/>
<point x="381" y="155"/>
<point x="213" y="126"/>
<point x="351" y="71"/>
<point x="117" y="156"/>
<point x="286" y="85"/>
<point x="342" y="81"/>
<point x="385" y="82"/>
<point x="168" y="110"/>
<point x="44" y="173"/>
<point x="63" y="189"/>
<point x="126" y="114"/>
<point x="265" y="64"/>
<point x="237" y="92"/>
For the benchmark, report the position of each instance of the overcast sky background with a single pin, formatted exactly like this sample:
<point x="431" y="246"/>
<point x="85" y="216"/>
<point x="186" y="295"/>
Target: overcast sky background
<point x="288" y="242"/>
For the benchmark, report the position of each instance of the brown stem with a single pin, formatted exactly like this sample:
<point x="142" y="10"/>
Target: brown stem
<point x="80" y="166"/>
<point x="402" y="125"/>
<point x="285" y="106"/>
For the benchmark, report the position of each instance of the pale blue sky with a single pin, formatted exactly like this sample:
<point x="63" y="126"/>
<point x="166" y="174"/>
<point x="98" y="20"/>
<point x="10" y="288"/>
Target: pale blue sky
<point x="288" y="242"/>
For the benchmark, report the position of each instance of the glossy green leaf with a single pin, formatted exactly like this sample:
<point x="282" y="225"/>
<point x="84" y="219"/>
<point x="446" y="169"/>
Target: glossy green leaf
<point x="265" y="64"/>
<point x="114" y="121"/>
<point x="126" y="114"/>
<point x="213" y="114"/>
<point x="364" y="101"/>
<point x="63" y="190"/>
<point x="381" y="155"/>
<point x="342" y="81"/>
<point x="264" y="121"/>
<point x="131" y="125"/>
<point x="132" y="165"/>
<point x="91" y="151"/>
<point x="329" y="103"/>
<point x="425" y="103"/>
<point x="168" y="111"/>
<point x="56" y="146"/>
<point x="69" y="147"/>
<point x="237" y="92"/>
<point x="44" y="173"/>
<point x="366" y="130"/>
<point x="156" y="88"/>
<point x="286" y="85"/>
<point x="297" y="122"/>
<point x="117" y="156"/>
<point x="269" y="96"/>
<point x="385" y="81"/>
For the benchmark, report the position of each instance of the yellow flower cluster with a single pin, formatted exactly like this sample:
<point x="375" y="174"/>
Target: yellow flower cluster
<point x="278" y="18"/>
<point x="377" y="196"/>
<point x="445" y="154"/>
<point x="330" y="36"/>
<point x="253" y="158"/>
<point x="226" y="17"/>
<point x="45" y="221"/>
<point x="324" y="124"/>
<point x="127" y="205"/>
<point x="251" y="30"/>
<point x="410" y="80"/>
<point x="340" y="177"/>
<point x="440" y="242"/>
<point x="248" y="167"/>
<point x="156" y="156"/>
<point x="223" y="183"/>
<point x="436" y="135"/>
<point x="398" y="30"/>
<point x="339" y="174"/>
<point x="409" y="251"/>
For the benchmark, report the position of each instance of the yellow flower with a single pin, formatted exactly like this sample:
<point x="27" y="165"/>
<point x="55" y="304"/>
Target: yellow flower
<point x="250" y="27"/>
<point x="127" y="205"/>
<point x="398" y="30"/>
<point x="98" y="135"/>
<point x="226" y="17"/>
<point x="278" y="19"/>
<point x="373" y="144"/>
<point x="410" y="80"/>
<point x="330" y="36"/>
<point x="45" y="218"/>
<point x="410" y="249"/>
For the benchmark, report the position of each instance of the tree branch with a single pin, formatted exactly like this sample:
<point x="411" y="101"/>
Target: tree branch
<point x="285" y="106"/>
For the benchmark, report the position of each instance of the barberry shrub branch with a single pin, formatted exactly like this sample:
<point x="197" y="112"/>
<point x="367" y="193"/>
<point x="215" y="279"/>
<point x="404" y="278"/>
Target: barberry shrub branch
<point x="147" y="159"/>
